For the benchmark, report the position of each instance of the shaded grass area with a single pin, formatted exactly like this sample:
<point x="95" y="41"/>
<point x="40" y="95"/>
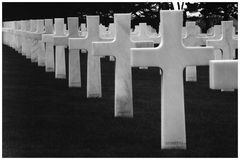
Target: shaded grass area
<point x="42" y="117"/>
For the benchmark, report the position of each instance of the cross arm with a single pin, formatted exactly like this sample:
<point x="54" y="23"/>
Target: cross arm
<point x="60" y="40"/>
<point x="198" y="56"/>
<point x="103" y="48"/>
<point x="144" y="57"/>
<point x="78" y="43"/>
<point x="193" y="41"/>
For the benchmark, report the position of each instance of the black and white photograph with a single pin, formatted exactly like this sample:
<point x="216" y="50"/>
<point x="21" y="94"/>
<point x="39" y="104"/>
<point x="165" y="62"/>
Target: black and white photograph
<point x="149" y="79"/>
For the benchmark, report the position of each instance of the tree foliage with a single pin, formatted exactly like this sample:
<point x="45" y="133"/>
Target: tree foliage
<point x="212" y="13"/>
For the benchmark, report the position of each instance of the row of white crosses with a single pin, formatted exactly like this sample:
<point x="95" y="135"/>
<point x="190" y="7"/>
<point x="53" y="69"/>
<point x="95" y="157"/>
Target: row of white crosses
<point x="225" y="42"/>
<point x="223" y="72"/>
<point x="224" y="33"/>
<point x="172" y="56"/>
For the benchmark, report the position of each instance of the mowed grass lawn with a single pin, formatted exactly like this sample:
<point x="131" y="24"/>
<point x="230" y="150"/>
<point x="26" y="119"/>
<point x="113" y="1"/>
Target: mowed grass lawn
<point x="42" y="117"/>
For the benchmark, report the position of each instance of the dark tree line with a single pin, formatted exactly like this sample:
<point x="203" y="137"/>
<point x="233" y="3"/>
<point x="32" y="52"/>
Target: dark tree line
<point x="211" y="13"/>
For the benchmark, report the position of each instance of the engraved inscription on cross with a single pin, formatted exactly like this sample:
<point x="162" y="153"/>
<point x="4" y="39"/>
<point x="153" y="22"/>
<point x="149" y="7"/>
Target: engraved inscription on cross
<point x="74" y="58"/>
<point x="172" y="57"/>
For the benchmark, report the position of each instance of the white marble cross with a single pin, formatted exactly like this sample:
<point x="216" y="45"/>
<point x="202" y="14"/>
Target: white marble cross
<point x="223" y="74"/>
<point x="60" y="65"/>
<point x="194" y="39"/>
<point x="26" y="44"/>
<point x="4" y="32"/>
<point x="23" y="30"/>
<point x="172" y="57"/>
<point x="226" y="43"/>
<point x="110" y="35"/>
<point x="32" y="54"/>
<point x="40" y="44"/>
<point x="74" y="58"/>
<point x="38" y="48"/>
<point x="7" y="29"/>
<point x="191" y="39"/>
<point x="18" y="36"/>
<point x="11" y="34"/>
<point x="93" y="63"/>
<point x="49" y="50"/>
<point x="120" y="49"/>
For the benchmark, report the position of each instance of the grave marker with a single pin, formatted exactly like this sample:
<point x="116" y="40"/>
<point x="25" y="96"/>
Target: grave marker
<point x="60" y="65"/>
<point x="40" y="45"/>
<point x="74" y="58"/>
<point x="120" y="49"/>
<point x="193" y="39"/>
<point x="49" y="50"/>
<point x="19" y="38"/>
<point x="172" y="56"/>
<point x="26" y="43"/>
<point x="15" y="31"/>
<point x="32" y="54"/>
<point x="93" y="63"/>
<point x="226" y="43"/>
